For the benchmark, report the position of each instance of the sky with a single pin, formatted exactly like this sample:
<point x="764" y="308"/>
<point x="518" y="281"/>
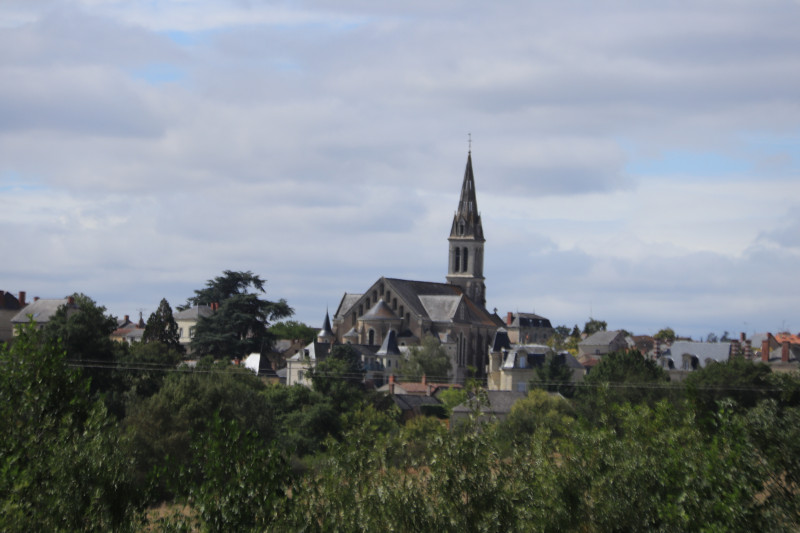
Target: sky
<point x="635" y="162"/>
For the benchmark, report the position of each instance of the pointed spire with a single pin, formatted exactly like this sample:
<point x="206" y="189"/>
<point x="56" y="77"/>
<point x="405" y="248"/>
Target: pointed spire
<point x="389" y="346"/>
<point x="467" y="220"/>
<point x="326" y="333"/>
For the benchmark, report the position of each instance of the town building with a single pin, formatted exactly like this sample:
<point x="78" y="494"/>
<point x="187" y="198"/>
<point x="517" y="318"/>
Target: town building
<point x="454" y="312"/>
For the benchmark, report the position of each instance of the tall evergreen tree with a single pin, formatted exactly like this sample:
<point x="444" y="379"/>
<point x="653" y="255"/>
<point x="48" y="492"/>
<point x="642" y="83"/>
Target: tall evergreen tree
<point x="161" y="327"/>
<point x="240" y="325"/>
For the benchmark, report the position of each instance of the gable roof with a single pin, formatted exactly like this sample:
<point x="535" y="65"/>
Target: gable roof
<point x="704" y="351"/>
<point x="412" y="292"/>
<point x="193" y="313"/>
<point x="601" y="338"/>
<point x="41" y="310"/>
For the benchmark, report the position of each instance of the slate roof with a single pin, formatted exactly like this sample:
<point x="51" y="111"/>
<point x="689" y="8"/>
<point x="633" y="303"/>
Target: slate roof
<point x="380" y="311"/>
<point x="347" y="303"/>
<point x="440" y="308"/>
<point x="42" y="310"/>
<point x="715" y="351"/>
<point x="601" y="338"/>
<point x="529" y="320"/>
<point x="193" y="313"/>
<point x="411" y="291"/>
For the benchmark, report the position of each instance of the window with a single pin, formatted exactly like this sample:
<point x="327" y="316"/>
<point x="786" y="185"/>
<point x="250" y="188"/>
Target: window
<point x="371" y="337"/>
<point x="300" y="375"/>
<point x="522" y="387"/>
<point x="457" y="264"/>
<point x="191" y="332"/>
<point x="466" y="259"/>
<point x="180" y="333"/>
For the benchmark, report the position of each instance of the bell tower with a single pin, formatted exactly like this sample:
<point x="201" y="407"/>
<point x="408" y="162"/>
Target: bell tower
<point x="465" y="265"/>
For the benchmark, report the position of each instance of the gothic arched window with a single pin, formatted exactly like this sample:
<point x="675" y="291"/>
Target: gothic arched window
<point x="466" y="260"/>
<point x="457" y="265"/>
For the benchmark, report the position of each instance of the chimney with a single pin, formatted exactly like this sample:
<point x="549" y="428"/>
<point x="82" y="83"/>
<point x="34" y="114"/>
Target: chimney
<point x="70" y="300"/>
<point x="22" y="299"/>
<point x="391" y="384"/>
<point x="35" y="298"/>
<point x="127" y="319"/>
<point x="748" y="349"/>
<point x="785" y="352"/>
<point x="509" y="318"/>
<point x="424" y="380"/>
<point x="735" y="351"/>
<point x="765" y="350"/>
<point x="742" y="336"/>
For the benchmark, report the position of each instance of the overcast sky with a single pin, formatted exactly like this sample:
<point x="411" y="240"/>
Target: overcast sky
<point x="637" y="162"/>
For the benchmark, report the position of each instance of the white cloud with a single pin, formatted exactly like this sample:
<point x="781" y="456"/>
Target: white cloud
<point x="633" y="161"/>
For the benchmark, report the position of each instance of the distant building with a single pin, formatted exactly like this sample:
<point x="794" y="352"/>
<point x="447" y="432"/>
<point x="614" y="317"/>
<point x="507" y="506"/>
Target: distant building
<point x="187" y="322"/>
<point x="9" y="307"/>
<point x="602" y="343"/>
<point x="528" y="328"/>
<point x="41" y="310"/>
<point x="453" y="312"/>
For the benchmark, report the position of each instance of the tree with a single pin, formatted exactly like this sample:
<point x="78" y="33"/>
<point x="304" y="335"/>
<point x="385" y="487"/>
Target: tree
<point x="738" y="379"/>
<point x="665" y="335"/>
<point x="161" y="327"/>
<point x="63" y="463"/>
<point x="555" y="375"/>
<point x="429" y="359"/>
<point x="84" y="330"/>
<point x="712" y="338"/>
<point x="291" y="329"/>
<point x="339" y="376"/>
<point x="240" y="325"/>
<point x="593" y="326"/>
<point x="622" y="376"/>
<point x="164" y="425"/>
<point x="536" y="412"/>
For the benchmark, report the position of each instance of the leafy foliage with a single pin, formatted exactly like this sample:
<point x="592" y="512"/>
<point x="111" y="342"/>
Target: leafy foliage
<point x="63" y="465"/>
<point x="240" y="325"/>
<point x="429" y="359"/>
<point x="592" y="326"/>
<point x="555" y="375"/>
<point x="291" y="329"/>
<point x="84" y="331"/>
<point x="665" y="335"/>
<point x="161" y="327"/>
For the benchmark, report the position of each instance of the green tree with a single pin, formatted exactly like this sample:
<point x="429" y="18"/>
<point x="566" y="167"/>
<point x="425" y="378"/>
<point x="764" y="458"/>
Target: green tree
<point x="291" y="329"/>
<point x="340" y="377"/>
<point x="242" y="482"/>
<point x="63" y="463"/>
<point x="429" y="359"/>
<point x="539" y="411"/>
<point x="163" y="426"/>
<point x="593" y="326"/>
<point x="161" y="327"/>
<point x="555" y="375"/>
<point x="240" y="325"/>
<point x="622" y="376"/>
<point x="84" y="331"/>
<point x="738" y="379"/>
<point x="665" y="335"/>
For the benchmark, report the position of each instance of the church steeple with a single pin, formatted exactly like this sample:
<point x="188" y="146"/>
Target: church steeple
<point x="466" y="242"/>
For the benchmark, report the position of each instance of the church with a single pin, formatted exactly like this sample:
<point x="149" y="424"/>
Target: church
<point x="393" y="314"/>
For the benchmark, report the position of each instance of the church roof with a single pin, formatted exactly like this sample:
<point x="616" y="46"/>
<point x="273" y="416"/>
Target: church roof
<point x="468" y="208"/>
<point x="389" y="346"/>
<point x="412" y="292"/>
<point x="380" y="311"/>
<point x="326" y="332"/>
<point x="348" y="301"/>
<point x="440" y="308"/>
